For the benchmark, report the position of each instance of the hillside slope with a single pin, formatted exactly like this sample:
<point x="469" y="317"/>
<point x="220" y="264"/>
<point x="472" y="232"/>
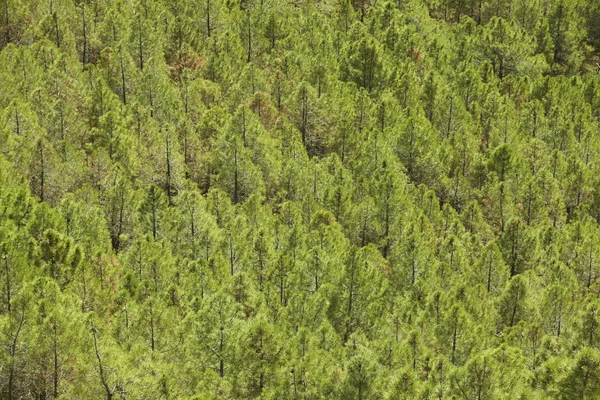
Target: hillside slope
<point x="205" y="199"/>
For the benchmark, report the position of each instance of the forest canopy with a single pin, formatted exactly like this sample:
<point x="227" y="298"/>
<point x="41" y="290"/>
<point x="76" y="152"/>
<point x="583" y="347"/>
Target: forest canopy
<point x="299" y="199"/>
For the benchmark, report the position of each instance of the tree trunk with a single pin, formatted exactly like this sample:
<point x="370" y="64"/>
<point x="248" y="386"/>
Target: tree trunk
<point x="123" y="90"/>
<point x="249" y="37"/>
<point x="168" y="169"/>
<point x="107" y="389"/>
<point x="140" y="44"/>
<point x="55" y="372"/>
<point x="208" y="28"/>
<point x="7" y="271"/>
<point x="84" y="57"/>
<point x="12" y="352"/>
<point x="42" y="177"/>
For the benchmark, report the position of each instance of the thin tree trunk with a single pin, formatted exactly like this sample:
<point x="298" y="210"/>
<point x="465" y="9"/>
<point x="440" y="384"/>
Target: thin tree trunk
<point x="84" y="58"/>
<point x="6" y="14"/>
<point x="55" y="373"/>
<point x="12" y="352"/>
<point x="42" y="177"/>
<point x="140" y="44"/>
<point x="208" y="28"/>
<point x="123" y="90"/>
<point x="7" y="271"/>
<point x="249" y="37"/>
<point x="168" y="169"/>
<point x="107" y="389"/>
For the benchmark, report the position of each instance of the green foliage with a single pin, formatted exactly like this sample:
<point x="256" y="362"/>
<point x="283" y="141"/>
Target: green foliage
<point x="269" y="199"/>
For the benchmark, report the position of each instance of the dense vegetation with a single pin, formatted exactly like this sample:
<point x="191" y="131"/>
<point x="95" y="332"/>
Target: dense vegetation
<point x="282" y="199"/>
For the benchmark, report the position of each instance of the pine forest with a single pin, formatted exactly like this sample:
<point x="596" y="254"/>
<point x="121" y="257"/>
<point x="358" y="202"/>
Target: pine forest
<point x="299" y="199"/>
